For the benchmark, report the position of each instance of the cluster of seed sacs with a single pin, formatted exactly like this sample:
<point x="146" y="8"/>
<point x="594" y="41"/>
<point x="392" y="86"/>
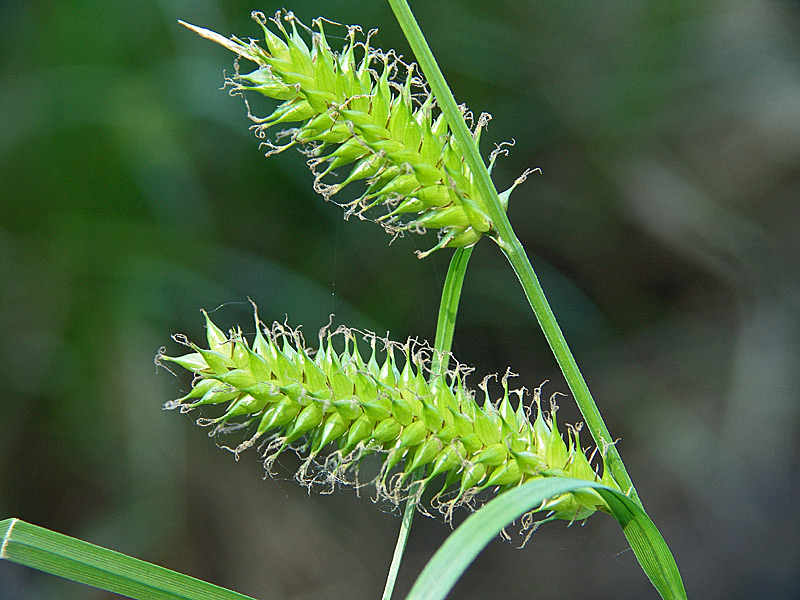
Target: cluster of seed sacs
<point x="333" y="405"/>
<point x="351" y="111"/>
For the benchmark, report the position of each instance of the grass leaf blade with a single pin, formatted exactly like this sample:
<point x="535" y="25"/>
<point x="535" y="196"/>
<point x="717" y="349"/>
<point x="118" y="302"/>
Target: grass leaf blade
<point x="463" y="546"/>
<point x="86" y="563"/>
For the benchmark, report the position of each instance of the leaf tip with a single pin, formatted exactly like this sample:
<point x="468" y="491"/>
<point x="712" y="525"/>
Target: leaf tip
<point x="6" y="528"/>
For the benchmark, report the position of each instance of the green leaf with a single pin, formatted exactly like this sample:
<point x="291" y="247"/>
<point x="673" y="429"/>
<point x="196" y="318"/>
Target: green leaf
<point x="80" y="561"/>
<point x="457" y="553"/>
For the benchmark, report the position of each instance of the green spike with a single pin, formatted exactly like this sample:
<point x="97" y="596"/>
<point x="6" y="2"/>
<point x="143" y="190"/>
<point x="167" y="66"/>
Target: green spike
<point x="335" y="426"/>
<point x="308" y="418"/>
<point x="493" y="455"/>
<point x="506" y="474"/>
<point x="387" y="430"/>
<point x="413" y="435"/>
<point x="277" y="415"/>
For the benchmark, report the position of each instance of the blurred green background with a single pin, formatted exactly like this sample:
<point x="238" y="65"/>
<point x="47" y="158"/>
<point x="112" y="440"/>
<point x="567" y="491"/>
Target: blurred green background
<point x="664" y="229"/>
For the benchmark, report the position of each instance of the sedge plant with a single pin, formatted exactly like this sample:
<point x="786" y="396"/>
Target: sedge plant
<point x="392" y="132"/>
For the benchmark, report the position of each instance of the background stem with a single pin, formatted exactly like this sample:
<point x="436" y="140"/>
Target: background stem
<point x="445" y="325"/>
<point x="451" y="292"/>
<point x="402" y="539"/>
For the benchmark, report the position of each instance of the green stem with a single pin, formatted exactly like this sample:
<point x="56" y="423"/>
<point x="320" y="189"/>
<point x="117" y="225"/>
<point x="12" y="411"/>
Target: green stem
<point x="402" y="540"/>
<point x="511" y="247"/>
<point x="451" y="292"/>
<point x="445" y="325"/>
<point x="566" y="361"/>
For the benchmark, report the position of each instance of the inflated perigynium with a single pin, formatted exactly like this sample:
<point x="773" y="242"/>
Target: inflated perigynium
<point x="333" y="407"/>
<point x="366" y="110"/>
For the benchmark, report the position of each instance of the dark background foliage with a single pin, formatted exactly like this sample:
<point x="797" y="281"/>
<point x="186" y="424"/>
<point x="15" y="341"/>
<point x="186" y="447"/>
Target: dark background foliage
<point x="664" y="229"/>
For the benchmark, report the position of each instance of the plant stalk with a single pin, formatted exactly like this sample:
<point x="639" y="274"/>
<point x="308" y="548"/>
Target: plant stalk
<point x="451" y="293"/>
<point x="402" y="540"/>
<point x="512" y="248"/>
<point x="445" y="325"/>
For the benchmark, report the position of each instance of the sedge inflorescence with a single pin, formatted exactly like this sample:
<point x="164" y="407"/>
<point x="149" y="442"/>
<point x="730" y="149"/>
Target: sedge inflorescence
<point x="366" y="110"/>
<point x="333" y="408"/>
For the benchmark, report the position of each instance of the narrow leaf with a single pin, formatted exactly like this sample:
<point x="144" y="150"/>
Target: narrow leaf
<point x="80" y="561"/>
<point x="463" y="546"/>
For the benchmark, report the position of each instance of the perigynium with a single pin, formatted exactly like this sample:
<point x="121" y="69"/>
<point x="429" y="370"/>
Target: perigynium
<point x="333" y="408"/>
<point x="364" y="109"/>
